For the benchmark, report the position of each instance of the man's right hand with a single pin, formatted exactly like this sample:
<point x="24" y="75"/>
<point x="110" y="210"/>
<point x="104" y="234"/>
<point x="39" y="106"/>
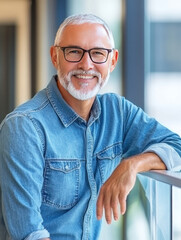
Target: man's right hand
<point x="44" y="239"/>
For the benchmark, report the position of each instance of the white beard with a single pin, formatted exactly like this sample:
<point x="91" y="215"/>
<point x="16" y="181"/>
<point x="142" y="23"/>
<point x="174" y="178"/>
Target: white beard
<point x="83" y="93"/>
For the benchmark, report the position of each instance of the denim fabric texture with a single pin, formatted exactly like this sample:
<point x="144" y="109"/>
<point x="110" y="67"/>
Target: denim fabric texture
<point x="53" y="163"/>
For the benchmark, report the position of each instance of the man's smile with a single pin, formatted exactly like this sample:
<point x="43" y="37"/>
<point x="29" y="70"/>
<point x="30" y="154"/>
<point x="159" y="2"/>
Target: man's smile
<point x="86" y="77"/>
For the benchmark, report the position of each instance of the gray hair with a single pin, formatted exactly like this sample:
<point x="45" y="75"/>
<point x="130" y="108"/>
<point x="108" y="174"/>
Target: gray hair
<point x="80" y="19"/>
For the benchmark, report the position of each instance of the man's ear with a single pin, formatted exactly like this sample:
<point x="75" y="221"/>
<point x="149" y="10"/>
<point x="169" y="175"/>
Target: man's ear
<point x="54" y="57"/>
<point x="114" y="59"/>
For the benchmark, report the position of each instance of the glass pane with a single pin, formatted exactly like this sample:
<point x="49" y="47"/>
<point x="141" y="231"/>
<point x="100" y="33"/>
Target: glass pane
<point x="163" y="211"/>
<point x="163" y="59"/>
<point x="163" y="75"/>
<point x="158" y="205"/>
<point x="137" y="215"/>
<point x="176" y="217"/>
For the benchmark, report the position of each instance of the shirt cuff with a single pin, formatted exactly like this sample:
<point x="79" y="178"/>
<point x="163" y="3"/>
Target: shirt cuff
<point x="168" y="155"/>
<point x="38" y="235"/>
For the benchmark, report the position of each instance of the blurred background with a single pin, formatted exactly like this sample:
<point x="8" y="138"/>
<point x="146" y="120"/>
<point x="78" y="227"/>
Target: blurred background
<point x="148" y="36"/>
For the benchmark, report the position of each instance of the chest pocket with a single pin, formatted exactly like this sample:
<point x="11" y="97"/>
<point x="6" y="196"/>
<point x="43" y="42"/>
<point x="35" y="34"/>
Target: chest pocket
<point x="61" y="183"/>
<point x="108" y="159"/>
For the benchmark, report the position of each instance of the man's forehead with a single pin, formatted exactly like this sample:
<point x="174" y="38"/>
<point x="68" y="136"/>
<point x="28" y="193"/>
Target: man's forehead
<point x="83" y="26"/>
<point x="86" y="29"/>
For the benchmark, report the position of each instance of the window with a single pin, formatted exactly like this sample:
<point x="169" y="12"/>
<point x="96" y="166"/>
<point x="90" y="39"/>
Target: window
<point x="15" y="36"/>
<point x="163" y="61"/>
<point x="163" y="81"/>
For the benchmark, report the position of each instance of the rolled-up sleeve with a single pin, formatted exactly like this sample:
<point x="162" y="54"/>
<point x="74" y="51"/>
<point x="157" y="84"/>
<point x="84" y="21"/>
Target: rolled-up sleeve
<point x="168" y="155"/>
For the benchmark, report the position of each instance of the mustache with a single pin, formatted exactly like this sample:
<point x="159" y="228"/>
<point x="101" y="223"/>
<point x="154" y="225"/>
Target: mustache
<point x="82" y="72"/>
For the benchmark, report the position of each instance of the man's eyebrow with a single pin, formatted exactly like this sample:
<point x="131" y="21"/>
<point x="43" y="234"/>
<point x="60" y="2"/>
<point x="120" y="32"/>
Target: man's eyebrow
<point x="73" y="46"/>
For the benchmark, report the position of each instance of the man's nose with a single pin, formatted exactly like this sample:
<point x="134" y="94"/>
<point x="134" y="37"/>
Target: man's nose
<point x="86" y="62"/>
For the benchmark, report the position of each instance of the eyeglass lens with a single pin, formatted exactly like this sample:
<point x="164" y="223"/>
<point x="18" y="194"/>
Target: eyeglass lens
<point x="98" y="55"/>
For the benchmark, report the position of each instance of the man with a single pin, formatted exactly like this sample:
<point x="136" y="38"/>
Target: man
<point x="69" y="153"/>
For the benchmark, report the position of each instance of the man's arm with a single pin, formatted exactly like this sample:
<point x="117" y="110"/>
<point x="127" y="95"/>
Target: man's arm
<point x="21" y="178"/>
<point x="115" y="190"/>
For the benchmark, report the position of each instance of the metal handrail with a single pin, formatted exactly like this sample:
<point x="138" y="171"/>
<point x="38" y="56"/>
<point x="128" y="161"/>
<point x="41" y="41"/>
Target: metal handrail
<point x="170" y="177"/>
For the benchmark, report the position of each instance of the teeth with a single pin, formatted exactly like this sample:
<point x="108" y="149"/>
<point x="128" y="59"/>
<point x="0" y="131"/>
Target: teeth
<point x="84" y="76"/>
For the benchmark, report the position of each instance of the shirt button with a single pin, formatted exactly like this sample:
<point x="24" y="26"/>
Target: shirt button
<point x="66" y="167"/>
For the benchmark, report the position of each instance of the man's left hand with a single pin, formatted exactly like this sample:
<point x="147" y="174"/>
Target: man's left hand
<point x="114" y="192"/>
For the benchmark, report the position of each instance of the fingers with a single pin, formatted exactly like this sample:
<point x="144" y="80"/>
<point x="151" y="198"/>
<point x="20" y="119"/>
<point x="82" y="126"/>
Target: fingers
<point x="115" y="209"/>
<point x="112" y="205"/>
<point x="104" y="203"/>
<point x="123" y="206"/>
<point x="122" y="202"/>
<point x="108" y="212"/>
<point x="99" y="206"/>
<point x="114" y="192"/>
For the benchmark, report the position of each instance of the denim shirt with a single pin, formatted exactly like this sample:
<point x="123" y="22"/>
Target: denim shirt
<point x="53" y="163"/>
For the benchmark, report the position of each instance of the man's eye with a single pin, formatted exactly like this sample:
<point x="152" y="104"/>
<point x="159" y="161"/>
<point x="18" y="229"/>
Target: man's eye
<point x="74" y="51"/>
<point x="98" y="53"/>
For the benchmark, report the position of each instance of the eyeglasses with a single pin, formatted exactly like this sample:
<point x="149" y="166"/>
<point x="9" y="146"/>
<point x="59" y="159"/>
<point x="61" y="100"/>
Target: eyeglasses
<point x="75" y="54"/>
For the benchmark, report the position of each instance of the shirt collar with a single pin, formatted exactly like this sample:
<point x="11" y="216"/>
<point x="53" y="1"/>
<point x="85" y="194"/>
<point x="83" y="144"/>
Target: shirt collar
<point x="66" y="114"/>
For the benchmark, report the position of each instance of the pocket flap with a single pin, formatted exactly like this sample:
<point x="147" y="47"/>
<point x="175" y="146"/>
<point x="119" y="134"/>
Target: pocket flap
<point x="110" y="152"/>
<point x="64" y="166"/>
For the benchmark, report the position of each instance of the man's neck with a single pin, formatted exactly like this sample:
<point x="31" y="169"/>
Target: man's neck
<point x="81" y="107"/>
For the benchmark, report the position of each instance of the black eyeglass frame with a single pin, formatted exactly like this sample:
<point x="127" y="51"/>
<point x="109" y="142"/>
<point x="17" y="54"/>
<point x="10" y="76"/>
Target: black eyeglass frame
<point x="84" y="50"/>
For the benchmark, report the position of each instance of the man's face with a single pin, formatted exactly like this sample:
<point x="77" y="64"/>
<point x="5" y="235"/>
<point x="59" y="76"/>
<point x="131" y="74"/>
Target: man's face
<point x="83" y="79"/>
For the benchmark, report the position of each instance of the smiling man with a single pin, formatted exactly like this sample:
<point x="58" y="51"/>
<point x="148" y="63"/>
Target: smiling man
<point x="69" y="153"/>
<point x="83" y="61"/>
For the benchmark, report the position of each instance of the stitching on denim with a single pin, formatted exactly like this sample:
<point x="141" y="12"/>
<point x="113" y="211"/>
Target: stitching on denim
<point x="47" y="199"/>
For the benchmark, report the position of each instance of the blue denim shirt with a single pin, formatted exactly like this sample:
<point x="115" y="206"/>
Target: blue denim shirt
<point x="53" y="163"/>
